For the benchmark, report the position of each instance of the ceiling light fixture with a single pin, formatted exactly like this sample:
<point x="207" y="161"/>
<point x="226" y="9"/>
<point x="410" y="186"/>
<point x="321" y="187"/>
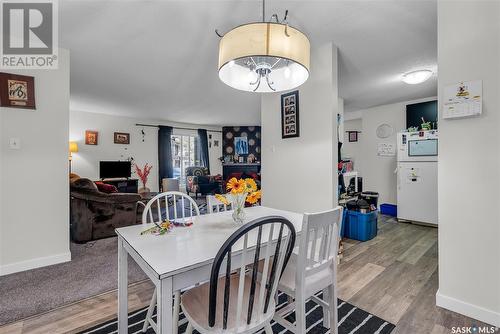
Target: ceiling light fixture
<point x="265" y="56"/>
<point x="416" y="77"/>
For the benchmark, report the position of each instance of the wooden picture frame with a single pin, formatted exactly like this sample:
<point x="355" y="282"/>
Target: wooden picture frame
<point x="91" y="137"/>
<point x="121" y="138"/>
<point x="290" y="115"/>
<point x="17" y="91"/>
<point x="352" y="136"/>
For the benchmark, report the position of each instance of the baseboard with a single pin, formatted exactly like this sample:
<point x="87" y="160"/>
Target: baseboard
<point x="34" y="263"/>
<point x="470" y="310"/>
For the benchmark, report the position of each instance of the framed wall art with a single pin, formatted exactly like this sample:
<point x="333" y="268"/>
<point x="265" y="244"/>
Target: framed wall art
<point x="91" y="137"/>
<point x="290" y="115"/>
<point x="122" y="138"/>
<point x="353" y="136"/>
<point x="241" y="145"/>
<point x="17" y="91"/>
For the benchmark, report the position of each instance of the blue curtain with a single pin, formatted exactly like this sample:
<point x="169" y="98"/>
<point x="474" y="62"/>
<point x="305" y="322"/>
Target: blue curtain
<point x="165" y="167"/>
<point x="203" y="148"/>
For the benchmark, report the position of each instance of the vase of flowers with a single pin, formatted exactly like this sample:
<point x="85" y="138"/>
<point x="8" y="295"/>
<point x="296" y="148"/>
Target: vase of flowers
<point x="240" y="191"/>
<point x="143" y="174"/>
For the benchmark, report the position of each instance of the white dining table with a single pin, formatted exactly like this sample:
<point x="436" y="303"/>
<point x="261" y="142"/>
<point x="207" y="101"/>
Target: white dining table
<point x="181" y="258"/>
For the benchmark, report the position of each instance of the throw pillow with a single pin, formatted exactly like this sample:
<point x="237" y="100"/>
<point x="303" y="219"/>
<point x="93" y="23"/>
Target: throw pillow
<point x="106" y="188"/>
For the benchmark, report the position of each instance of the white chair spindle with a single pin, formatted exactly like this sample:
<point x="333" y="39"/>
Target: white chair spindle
<point x="264" y="277"/>
<point x="242" y="278"/>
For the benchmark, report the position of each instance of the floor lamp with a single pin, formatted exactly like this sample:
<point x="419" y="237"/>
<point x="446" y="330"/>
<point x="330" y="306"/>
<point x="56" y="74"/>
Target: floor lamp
<point x="73" y="148"/>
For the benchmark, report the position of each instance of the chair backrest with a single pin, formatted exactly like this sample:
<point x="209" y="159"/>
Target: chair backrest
<point x="197" y="171"/>
<point x="318" y="245"/>
<point x="214" y="205"/>
<point x="254" y="304"/>
<point x="159" y="207"/>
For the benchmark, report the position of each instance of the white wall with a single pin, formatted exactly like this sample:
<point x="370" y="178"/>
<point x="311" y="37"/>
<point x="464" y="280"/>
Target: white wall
<point x="378" y="172"/>
<point x="34" y="179"/>
<point x="352" y="150"/>
<point x="298" y="173"/>
<point x="86" y="161"/>
<point x="469" y="163"/>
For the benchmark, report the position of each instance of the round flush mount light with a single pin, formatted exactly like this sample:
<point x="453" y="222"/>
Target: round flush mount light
<point x="416" y="77"/>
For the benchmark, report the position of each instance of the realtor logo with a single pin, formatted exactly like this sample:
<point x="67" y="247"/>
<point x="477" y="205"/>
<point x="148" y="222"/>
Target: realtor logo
<point x="28" y="34"/>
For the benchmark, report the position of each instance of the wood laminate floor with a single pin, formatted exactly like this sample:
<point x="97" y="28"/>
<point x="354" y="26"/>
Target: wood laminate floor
<point x="393" y="276"/>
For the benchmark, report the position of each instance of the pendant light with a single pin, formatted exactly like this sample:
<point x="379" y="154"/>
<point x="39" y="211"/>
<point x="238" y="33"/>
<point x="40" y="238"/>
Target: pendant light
<point x="265" y="56"/>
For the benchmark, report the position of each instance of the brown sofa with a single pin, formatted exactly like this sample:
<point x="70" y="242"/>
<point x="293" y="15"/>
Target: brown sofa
<point x="95" y="215"/>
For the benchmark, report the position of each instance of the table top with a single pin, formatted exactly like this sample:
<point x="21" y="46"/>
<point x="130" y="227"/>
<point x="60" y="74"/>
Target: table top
<point x="185" y="248"/>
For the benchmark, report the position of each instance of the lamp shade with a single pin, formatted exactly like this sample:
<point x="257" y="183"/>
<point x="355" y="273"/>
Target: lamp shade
<point x="73" y="147"/>
<point x="264" y="57"/>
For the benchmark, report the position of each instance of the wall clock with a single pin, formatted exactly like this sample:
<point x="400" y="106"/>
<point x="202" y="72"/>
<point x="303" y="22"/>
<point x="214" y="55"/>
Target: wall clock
<point x="384" y="130"/>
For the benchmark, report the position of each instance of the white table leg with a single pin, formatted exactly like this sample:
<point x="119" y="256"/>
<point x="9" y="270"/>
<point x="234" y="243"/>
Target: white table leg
<point x="164" y="291"/>
<point x="122" y="288"/>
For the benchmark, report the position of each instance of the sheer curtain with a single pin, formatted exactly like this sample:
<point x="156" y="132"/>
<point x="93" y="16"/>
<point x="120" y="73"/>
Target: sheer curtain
<point x="165" y="167"/>
<point x="203" y="148"/>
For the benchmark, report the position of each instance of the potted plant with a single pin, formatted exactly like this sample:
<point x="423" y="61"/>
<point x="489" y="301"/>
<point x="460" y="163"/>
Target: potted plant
<point x="143" y="174"/>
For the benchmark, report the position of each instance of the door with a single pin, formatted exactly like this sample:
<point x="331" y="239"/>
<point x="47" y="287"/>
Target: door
<point x="184" y="154"/>
<point x="418" y="192"/>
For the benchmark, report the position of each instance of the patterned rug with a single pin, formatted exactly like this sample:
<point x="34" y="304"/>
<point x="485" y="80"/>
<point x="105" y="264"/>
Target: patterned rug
<point x="351" y="320"/>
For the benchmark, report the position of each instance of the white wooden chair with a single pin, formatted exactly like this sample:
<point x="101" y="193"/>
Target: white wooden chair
<point x="214" y="205"/>
<point x="312" y="268"/>
<point x="242" y="302"/>
<point x="157" y="211"/>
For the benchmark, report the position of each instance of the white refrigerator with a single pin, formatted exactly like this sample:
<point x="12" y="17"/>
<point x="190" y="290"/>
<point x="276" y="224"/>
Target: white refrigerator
<point x="417" y="185"/>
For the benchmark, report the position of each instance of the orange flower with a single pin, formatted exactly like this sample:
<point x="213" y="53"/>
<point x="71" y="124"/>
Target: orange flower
<point x="254" y="197"/>
<point x="250" y="184"/>
<point x="236" y="186"/>
<point x="221" y="198"/>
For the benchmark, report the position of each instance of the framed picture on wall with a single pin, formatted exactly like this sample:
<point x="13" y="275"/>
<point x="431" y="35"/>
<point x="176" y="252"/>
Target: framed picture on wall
<point x="91" y="137"/>
<point x="241" y="145"/>
<point x="17" y="91"/>
<point x="353" y="136"/>
<point x="290" y="115"/>
<point x="122" y="138"/>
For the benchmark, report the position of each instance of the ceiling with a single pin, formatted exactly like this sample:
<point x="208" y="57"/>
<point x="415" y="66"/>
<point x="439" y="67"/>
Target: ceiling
<point x="158" y="59"/>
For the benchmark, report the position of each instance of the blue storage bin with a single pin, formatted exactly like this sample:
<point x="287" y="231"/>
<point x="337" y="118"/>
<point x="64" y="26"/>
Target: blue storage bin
<point x="389" y="209"/>
<point x="361" y="226"/>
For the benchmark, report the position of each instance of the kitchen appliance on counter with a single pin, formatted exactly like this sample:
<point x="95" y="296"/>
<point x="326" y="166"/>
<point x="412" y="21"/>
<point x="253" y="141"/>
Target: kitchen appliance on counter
<point x="417" y="184"/>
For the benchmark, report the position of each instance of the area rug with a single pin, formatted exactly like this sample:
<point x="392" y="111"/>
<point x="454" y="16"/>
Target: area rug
<point x="92" y="271"/>
<point x="351" y="320"/>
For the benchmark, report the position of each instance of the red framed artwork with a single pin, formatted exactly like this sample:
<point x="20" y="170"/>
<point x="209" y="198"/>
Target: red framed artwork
<point x="17" y="91"/>
<point x="91" y="137"/>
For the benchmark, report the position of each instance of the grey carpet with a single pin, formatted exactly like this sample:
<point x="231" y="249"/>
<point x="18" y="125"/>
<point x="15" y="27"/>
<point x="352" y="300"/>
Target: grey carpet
<point x="93" y="270"/>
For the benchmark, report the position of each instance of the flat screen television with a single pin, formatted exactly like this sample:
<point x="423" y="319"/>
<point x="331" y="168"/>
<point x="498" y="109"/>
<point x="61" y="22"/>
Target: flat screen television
<point x="415" y="112"/>
<point x="114" y="169"/>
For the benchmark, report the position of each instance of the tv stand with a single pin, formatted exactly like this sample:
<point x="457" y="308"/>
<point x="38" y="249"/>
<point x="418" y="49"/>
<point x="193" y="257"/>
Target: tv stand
<point x="124" y="185"/>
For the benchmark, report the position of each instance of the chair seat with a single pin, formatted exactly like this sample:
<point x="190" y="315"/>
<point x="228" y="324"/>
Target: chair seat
<point x="195" y="306"/>
<point x="313" y="283"/>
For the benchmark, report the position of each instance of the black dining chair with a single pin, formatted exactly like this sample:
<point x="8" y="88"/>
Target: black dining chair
<point x="240" y="299"/>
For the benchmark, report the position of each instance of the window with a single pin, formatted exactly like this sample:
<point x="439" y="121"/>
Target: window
<point x="184" y="154"/>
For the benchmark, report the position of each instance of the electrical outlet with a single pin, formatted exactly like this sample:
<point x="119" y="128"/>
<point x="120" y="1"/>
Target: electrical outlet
<point x="15" y="143"/>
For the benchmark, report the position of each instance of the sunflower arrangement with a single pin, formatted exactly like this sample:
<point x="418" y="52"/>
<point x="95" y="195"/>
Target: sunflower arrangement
<point x="240" y="191"/>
